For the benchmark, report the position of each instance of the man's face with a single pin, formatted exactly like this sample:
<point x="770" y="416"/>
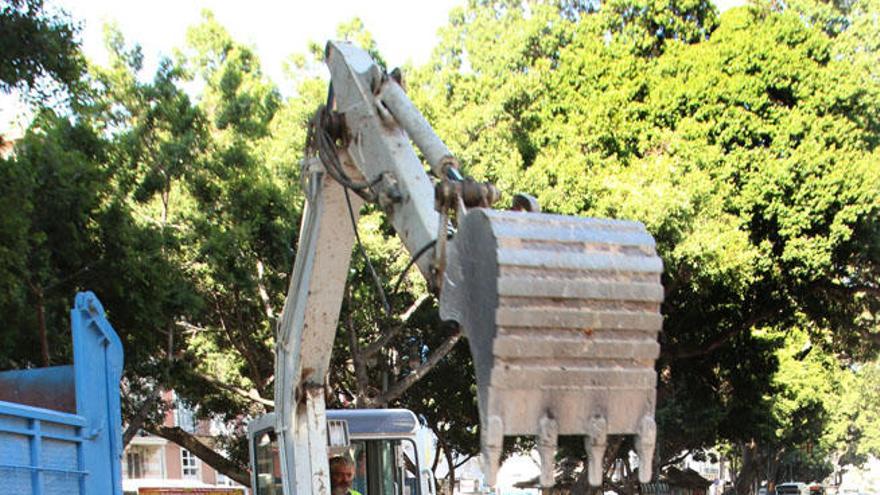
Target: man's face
<point x="340" y="478"/>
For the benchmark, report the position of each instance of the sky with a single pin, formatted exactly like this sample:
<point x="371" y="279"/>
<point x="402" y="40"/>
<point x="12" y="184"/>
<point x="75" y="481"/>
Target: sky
<point x="405" y="30"/>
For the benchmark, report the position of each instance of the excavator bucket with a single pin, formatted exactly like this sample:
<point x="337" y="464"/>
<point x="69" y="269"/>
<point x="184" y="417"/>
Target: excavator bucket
<point x="562" y="315"/>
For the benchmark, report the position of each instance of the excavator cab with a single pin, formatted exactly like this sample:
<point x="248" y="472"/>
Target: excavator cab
<point x="382" y="443"/>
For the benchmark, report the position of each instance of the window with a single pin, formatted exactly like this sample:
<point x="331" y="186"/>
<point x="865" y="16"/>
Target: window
<point x="223" y="480"/>
<point x="134" y="463"/>
<point x="189" y="464"/>
<point x="268" y="468"/>
<point x="184" y="418"/>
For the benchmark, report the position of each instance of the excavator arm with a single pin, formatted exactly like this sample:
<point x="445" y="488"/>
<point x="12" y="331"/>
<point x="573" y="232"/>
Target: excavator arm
<point x="561" y="313"/>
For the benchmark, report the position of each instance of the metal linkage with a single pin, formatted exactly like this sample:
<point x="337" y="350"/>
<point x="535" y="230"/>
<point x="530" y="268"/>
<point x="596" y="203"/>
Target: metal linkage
<point x="562" y="313"/>
<point x="562" y="316"/>
<point x="405" y="114"/>
<point x="378" y="144"/>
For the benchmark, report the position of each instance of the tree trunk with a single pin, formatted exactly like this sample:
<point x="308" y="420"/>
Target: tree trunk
<point x="434" y="466"/>
<point x="581" y="486"/>
<point x="359" y="360"/>
<point x="139" y="418"/>
<point x="203" y="452"/>
<point x="450" y="462"/>
<point x="773" y="466"/>
<point x="41" y="326"/>
<point x="451" y="475"/>
<point x="748" y="471"/>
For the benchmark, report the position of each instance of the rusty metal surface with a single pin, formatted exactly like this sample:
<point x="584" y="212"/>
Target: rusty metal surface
<point x="562" y="315"/>
<point x="50" y="388"/>
<point x="306" y="332"/>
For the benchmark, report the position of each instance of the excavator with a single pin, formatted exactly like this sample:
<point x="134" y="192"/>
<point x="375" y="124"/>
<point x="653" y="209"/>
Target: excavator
<point x="561" y="313"/>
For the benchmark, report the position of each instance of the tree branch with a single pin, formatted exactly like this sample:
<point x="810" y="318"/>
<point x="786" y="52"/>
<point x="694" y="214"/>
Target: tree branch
<point x="264" y="294"/>
<point x="721" y="339"/>
<point x="203" y="452"/>
<point x="190" y="327"/>
<point x="461" y="462"/>
<point x="402" y="385"/>
<point x="675" y="460"/>
<point x="239" y="343"/>
<point x="248" y="352"/>
<point x="389" y="334"/>
<point x="360" y="361"/>
<point x="436" y="457"/>
<point x="140" y="417"/>
<point x="251" y="394"/>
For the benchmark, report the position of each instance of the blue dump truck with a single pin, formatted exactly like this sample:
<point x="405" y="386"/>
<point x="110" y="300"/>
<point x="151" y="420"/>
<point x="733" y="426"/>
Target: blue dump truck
<point x="60" y="427"/>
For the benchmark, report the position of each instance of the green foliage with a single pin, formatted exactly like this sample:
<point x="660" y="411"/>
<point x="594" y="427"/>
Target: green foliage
<point x="355" y="31"/>
<point x="831" y="17"/>
<point x="75" y="234"/>
<point x="37" y="45"/>
<point x="645" y="25"/>
<point x="750" y="156"/>
<point x="746" y="143"/>
<point x="57" y="191"/>
<point x="809" y="384"/>
<point x="237" y="212"/>
<point x="238" y="97"/>
<point x="862" y="405"/>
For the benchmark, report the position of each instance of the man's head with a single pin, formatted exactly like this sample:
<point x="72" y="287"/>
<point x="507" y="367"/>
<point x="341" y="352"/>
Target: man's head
<point x="341" y="475"/>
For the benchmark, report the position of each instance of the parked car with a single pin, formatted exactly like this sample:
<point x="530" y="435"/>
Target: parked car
<point x="792" y="488"/>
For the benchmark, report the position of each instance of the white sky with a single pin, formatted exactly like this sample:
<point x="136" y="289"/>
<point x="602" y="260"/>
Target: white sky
<point x="405" y="30"/>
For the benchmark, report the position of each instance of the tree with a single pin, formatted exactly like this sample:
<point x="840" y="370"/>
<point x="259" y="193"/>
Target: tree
<point x="746" y="155"/>
<point x="447" y="400"/>
<point x="237" y="216"/>
<point x="58" y="182"/>
<point x="76" y="233"/>
<point x="646" y="26"/>
<point x="747" y="145"/>
<point x="37" y="45"/>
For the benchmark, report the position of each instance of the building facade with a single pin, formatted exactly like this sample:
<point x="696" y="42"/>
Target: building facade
<point x="151" y="463"/>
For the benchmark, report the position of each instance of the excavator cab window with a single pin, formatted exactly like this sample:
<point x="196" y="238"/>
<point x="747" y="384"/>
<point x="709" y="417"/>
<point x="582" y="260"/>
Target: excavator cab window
<point x="381" y="467"/>
<point x="267" y="466"/>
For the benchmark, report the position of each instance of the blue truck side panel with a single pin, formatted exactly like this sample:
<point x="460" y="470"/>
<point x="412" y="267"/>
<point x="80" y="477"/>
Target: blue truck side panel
<point x="41" y="451"/>
<point x="97" y="368"/>
<point x="48" y="452"/>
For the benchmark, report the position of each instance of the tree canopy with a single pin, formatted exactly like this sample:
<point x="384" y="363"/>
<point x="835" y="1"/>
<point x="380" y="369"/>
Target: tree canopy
<point x="746" y="142"/>
<point x="38" y="47"/>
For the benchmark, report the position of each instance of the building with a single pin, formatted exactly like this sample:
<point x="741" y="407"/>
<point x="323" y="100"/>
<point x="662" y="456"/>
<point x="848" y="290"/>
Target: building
<point x="153" y="465"/>
<point x="7" y="143"/>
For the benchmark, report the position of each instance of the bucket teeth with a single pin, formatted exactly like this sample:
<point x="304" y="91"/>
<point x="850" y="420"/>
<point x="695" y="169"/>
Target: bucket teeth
<point x="595" y="443"/>
<point x="561" y="315"/>
<point x="548" y="433"/>
<point x="645" y="442"/>
<point x="492" y="440"/>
